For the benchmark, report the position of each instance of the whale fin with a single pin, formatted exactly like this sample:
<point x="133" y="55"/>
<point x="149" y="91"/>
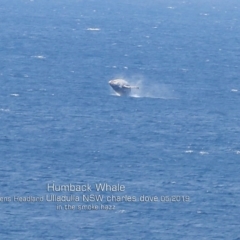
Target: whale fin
<point x="130" y="87"/>
<point x="126" y="86"/>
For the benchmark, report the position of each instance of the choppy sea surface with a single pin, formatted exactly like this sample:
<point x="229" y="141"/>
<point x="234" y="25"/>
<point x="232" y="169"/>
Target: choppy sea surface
<point x="176" y="138"/>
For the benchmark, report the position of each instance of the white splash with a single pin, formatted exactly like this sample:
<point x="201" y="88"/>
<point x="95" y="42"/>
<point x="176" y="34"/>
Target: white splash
<point x="93" y="29"/>
<point x="39" y="57"/>
<point x="203" y="153"/>
<point x="188" y="151"/>
<point x="150" y="89"/>
<point x="4" y="110"/>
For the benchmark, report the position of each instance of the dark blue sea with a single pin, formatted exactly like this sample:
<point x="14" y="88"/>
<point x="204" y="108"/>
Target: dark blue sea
<point x="169" y="153"/>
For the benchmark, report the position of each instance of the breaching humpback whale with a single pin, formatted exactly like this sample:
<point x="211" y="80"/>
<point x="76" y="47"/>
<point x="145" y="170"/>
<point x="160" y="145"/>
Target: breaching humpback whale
<point x="121" y="87"/>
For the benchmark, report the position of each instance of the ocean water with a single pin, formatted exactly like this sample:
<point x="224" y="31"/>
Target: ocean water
<point x="176" y="138"/>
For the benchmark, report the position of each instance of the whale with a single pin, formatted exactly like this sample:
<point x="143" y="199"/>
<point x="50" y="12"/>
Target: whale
<point x="121" y="87"/>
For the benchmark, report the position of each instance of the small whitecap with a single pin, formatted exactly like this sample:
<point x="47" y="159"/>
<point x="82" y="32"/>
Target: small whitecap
<point x="188" y="151"/>
<point x="125" y="67"/>
<point x="203" y="153"/>
<point x="237" y="152"/>
<point x="39" y="57"/>
<point x="4" y="110"/>
<point x="114" y="66"/>
<point x="14" y="94"/>
<point x="170" y="7"/>
<point x="93" y="29"/>
<point x="234" y="90"/>
<point x="121" y="211"/>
